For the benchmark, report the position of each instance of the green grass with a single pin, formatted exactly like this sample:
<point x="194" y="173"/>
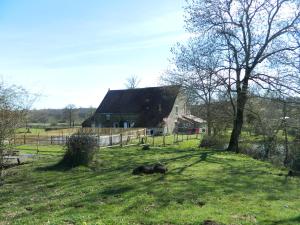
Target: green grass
<point x="41" y="149"/>
<point x="33" y="131"/>
<point x="201" y="184"/>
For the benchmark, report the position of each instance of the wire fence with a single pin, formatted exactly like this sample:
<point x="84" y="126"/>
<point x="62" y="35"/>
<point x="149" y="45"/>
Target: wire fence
<point x="41" y="144"/>
<point x="105" y="136"/>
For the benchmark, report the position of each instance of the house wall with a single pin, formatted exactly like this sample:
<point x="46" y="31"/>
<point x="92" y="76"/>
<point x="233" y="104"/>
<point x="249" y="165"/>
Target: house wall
<point x="171" y="121"/>
<point x="102" y="120"/>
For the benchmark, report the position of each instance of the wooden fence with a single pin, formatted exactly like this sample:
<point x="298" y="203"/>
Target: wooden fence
<point x="45" y="144"/>
<point x="105" y="136"/>
<point x="39" y="145"/>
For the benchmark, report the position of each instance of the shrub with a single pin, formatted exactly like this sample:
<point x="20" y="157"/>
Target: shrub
<point x="213" y="141"/>
<point x="295" y="155"/>
<point x="146" y="147"/>
<point x="255" y="150"/>
<point x="80" y="150"/>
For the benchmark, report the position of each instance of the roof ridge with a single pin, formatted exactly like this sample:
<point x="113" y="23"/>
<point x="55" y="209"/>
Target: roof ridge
<point x="164" y="86"/>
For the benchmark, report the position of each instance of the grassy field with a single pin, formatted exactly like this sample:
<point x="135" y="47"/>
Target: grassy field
<point x="43" y="132"/>
<point x="41" y="150"/>
<point x="201" y="184"/>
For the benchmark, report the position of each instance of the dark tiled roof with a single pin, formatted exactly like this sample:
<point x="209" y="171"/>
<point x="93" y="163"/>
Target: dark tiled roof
<point x="144" y="102"/>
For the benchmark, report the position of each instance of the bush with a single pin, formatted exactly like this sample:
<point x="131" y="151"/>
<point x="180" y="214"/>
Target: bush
<point x="80" y="150"/>
<point x="295" y="155"/>
<point x="255" y="150"/>
<point x="213" y="141"/>
<point x="146" y="147"/>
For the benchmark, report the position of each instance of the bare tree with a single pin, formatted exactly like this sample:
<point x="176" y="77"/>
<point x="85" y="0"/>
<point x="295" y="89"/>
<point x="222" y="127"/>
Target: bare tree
<point x="132" y="82"/>
<point x="195" y="71"/>
<point x="258" y="42"/>
<point x="69" y="114"/>
<point x="14" y="104"/>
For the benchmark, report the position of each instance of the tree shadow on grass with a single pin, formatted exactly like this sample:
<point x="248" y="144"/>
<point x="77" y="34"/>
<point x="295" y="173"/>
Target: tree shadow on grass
<point x="203" y="157"/>
<point x="60" y="167"/>
<point x="128" y="161"/>
<point x="113" y="191"/>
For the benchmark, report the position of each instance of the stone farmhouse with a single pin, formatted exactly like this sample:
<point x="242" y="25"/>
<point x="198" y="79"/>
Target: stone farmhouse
<point x="159" y="109"/>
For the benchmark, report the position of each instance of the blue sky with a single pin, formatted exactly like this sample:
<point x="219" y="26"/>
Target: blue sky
<point x="72" y="51"/>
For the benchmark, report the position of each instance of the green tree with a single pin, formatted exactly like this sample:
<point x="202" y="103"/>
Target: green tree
<point x="257" y="40"/>
<point x="14" y="104"/>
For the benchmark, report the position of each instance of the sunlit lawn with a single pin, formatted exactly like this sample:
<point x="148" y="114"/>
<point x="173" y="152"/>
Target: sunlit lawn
<point x="41" y="149"/>
<point x="200" y="185"/>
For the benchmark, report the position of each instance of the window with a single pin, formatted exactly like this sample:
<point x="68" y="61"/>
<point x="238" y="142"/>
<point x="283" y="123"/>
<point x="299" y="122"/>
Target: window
<point x="107" y="117"/>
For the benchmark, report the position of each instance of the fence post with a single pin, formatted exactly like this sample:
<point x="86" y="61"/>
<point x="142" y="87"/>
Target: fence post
<point x="110" y="137"/>
<point x="98" y="140"/>
<point x="24" y="139"/>
<point x="164" y="140"/>
<point x="51" y="140"/>
<point x="38" y="143"/>
<point x="174" y="140"/>
<point x="99" y="143"/>
<point x="121" y="139"/>
<point x="153" y="140"/>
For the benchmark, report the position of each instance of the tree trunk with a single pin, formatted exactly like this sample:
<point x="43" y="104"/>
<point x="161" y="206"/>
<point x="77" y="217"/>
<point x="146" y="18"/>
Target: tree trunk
<point x="238" y="122"/>
<point x="286" y="142"/>
<point x="208" y="118"/>
<point x="209" y="130"/>
<point x="1" y="166"/>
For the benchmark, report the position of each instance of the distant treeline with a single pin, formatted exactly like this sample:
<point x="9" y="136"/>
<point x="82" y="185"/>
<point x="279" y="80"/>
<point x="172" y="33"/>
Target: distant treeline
<point x="54" y="117"/>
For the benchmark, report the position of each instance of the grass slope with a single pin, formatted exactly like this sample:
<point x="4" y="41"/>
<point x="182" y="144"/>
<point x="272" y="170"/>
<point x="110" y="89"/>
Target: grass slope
<point x="201" y="184"/>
